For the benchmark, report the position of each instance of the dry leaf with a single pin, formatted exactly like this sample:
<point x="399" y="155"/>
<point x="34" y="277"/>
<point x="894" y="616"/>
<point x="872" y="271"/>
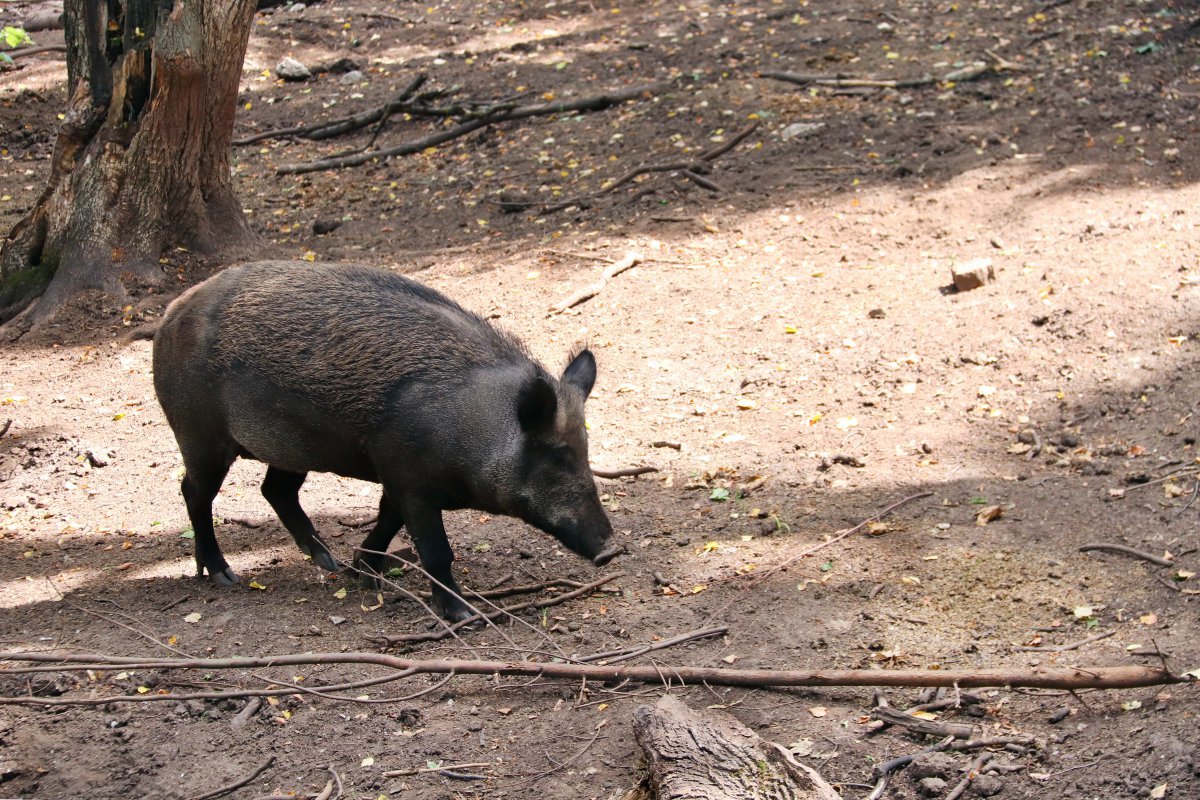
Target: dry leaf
<point x="802" y="748"/>
<point x="988" y="514"/>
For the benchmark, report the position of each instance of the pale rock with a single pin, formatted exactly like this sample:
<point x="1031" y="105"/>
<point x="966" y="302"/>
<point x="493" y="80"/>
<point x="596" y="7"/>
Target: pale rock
<point x="292" y="70"/>
<point x="973" y="274"/>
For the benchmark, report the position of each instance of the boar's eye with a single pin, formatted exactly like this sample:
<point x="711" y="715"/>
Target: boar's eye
<point x="561" y="457"/>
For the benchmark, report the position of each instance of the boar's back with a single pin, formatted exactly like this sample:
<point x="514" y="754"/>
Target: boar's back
<point x="345" y="336"/>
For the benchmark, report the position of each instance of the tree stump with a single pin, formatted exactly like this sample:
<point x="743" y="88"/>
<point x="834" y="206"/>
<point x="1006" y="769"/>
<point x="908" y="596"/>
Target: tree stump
<point x="706" y="755"/>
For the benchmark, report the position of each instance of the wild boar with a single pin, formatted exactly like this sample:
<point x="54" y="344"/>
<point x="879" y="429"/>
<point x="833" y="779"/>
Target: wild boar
<point x="356" y="371"/>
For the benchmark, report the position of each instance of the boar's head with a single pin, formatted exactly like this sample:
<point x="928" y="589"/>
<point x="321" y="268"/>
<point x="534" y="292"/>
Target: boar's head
<point x="555" y="490"/>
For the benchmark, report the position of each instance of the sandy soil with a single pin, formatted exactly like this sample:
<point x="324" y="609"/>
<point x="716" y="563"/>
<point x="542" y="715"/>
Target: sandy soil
<point x="794" y="334"/>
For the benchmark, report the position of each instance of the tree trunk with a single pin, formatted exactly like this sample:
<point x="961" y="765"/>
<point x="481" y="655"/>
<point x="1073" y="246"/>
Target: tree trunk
<point x="141" y="163"/>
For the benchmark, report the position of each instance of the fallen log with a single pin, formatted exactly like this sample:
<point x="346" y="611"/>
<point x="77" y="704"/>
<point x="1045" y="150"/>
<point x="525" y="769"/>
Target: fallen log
<point x="707" y="755"/>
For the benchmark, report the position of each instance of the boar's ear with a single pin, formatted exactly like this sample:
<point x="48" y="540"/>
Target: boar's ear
<point x="581" y="372"/>
<point x="537" y="405"/>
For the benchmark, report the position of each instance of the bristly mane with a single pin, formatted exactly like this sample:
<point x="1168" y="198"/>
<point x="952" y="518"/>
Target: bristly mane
<point x="345" y="336"/>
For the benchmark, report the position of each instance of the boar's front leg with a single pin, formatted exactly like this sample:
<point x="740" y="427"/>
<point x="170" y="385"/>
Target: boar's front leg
<point x="282" y="490"/>
<point x="429" y="537"/>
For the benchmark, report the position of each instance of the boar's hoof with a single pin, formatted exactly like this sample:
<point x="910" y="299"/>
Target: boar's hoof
<point x="225" y="577"/>
<point x="454" y="610"/>
<point x="608" y="555"/>
<point x="325" y="560"/>
<point x="368" y="575"/>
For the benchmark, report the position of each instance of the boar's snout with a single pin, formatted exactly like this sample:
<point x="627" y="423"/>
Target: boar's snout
<point x="608" y="554"/>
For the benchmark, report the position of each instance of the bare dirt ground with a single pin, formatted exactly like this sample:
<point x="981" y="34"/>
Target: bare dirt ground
<point x="793" y="334"/>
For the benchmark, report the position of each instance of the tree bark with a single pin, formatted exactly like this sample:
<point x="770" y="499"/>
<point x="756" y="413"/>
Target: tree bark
<point x="141" y="162"/>
<point x="694" y="755"/>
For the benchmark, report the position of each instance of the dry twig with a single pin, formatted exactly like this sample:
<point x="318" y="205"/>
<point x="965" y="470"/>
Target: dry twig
<point x="233" y="787"/>
<point x="1062" y="648"/>
<point x="628" y="472"/>
<point x="1129" y="551"/>
<point x="504" y="113"/>
<point x="918" y="725"/>
<point x="630" y="260"/>
<point x="433" y="636"/>
<point x="973" y="772"/>
<point x="613" y="656"/>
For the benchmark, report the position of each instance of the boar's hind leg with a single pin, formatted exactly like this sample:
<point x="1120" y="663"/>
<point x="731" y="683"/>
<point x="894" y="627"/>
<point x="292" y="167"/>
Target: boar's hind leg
<point x="369" y="565"/>
<point x="282" y="490"/>
<point x="201" y="482"/>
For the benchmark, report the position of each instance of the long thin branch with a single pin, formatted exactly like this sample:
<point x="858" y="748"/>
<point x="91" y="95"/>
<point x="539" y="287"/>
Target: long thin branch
<point x="1124" y="677"/>
<point x="597" y="102"/>
<point x="223" y="695"/>
<point x="613" y="656"/>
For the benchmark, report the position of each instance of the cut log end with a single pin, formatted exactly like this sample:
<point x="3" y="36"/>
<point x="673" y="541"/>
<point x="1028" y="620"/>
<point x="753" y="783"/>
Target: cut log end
<point x="706" y="755"/>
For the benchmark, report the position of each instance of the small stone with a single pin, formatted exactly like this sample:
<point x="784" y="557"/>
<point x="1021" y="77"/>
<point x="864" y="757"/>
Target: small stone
<point x="973" y="274"/>
<point x="799" y="130"/>
<point x="337" y="620"/>
<point x="474" y="725"/>
<point x="933" y="765"/>
<point x="98" y="458"/>
<point x="292" y="70"/>
<point x="352" y="77"/>
<point x="932" y="787"/>
<point x="987" y="786"/>
<point x="876" y="313"/>
<point x="1026" y="437"/>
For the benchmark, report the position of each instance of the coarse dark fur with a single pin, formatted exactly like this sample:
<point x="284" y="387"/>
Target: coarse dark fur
<point x="353" y="370"/>
<point x="346" y="335"/>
